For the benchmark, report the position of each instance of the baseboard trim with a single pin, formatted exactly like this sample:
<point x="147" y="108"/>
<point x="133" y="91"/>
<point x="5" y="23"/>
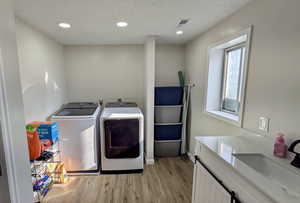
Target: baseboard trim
<point x="149" y="161"/>
<point x="191" y="157"/>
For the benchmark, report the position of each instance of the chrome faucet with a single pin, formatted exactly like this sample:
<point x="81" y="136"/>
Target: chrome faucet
<point x="296" y="161"/>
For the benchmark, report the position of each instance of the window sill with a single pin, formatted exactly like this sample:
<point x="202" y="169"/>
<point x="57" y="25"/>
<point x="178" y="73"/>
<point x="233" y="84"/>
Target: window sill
<point x="227" y="117"/>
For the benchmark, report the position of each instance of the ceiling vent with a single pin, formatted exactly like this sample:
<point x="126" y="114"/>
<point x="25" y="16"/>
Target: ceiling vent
<point x="182" y="22"/>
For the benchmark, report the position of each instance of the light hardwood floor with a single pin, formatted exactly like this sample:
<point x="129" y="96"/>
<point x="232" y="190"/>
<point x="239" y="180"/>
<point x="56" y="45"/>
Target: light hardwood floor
<point x="169" y="180"/>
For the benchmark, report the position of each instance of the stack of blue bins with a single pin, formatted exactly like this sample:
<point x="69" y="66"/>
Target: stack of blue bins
<point x="168" y="100"/>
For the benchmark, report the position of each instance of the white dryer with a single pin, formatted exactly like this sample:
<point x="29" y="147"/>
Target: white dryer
<point x="122" y="138"/>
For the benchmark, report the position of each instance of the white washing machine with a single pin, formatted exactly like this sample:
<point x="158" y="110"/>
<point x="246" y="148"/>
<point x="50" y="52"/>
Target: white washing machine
<point x="122" y="138"/>
<point x="78" y="125"/>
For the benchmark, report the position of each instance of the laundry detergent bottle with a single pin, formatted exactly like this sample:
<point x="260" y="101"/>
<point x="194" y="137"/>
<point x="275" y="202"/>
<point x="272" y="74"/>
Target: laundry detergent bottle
<point x="280" y="146"/>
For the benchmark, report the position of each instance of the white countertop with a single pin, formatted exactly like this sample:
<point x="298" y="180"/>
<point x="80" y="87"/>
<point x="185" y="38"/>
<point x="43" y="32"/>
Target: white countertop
<point x="226" y="146"/>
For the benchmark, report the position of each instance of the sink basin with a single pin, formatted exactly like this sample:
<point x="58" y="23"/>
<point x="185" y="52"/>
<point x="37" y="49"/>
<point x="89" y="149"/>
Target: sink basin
<point x="271" y="170"/>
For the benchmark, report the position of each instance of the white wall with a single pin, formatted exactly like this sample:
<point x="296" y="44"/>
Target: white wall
<point x="108" y="72"/>
<point x="169" y="60"/>
<point x="42" y="72"/>
<point x="273" y="80"/>
<point x="13" y="137"/>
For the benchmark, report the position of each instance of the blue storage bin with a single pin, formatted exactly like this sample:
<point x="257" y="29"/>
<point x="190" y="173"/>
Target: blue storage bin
<point x="168" y="95"/>
<point x="167" y="131"/>
<point x="48" y="131"/>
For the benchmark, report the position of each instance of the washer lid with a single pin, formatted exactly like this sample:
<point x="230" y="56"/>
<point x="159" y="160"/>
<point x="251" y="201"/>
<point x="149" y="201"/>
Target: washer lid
<point x="76" y="112"/>
<point x="80" y="105"/>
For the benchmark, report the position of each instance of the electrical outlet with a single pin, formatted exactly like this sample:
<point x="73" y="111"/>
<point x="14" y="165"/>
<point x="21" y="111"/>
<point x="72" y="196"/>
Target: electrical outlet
<point x="263" y="124"/>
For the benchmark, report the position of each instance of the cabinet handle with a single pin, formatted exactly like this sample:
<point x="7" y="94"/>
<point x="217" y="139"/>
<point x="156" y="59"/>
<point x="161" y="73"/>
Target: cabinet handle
<point x="234" y="199"/>
<point x="0" y="170"/>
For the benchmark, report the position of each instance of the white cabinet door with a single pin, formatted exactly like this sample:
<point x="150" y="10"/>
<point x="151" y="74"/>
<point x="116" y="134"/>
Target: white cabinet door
<point x="206" y="189"/>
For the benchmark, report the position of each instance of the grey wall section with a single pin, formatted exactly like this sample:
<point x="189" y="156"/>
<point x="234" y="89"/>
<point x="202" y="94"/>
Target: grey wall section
<point x="14" y="136"/>
<point x="169" y="60"/>
<point x="42" y="72"/>
<point x="273" y="80"/>
<point x="108" y="72"/>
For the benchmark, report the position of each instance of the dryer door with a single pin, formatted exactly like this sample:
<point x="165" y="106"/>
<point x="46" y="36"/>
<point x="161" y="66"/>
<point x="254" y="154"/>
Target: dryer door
<point x="122" y="138"/>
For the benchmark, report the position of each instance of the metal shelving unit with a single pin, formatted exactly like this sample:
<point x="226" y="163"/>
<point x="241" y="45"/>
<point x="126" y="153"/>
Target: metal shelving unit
<point x="39" y="170"/>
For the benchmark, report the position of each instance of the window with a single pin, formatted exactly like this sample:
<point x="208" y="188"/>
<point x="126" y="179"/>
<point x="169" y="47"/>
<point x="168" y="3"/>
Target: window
<point x="231" y="91"/>
<point x="226" y="79"/>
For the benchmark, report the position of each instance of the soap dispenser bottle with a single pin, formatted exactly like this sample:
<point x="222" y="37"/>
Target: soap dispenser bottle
<point x="280" y="147"/>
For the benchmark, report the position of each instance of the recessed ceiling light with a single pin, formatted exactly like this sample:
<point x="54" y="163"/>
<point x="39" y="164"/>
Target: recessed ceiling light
<point x="122" y="24"/>
<point x="179" y="32"/>
<point x="64" y="25"/>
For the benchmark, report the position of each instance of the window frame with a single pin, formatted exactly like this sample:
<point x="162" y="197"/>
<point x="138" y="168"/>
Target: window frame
<point x="241" y="46"/>
<point x="212" y="103"/>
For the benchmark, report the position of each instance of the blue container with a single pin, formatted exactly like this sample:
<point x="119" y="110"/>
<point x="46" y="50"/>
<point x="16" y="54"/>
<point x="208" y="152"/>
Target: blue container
<point x="167" y="132"/>
<point x="48" y="131"/>
<point x="168" y="95"/>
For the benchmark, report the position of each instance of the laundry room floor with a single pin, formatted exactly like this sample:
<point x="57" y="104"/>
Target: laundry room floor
<point x="168" y="180"/>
